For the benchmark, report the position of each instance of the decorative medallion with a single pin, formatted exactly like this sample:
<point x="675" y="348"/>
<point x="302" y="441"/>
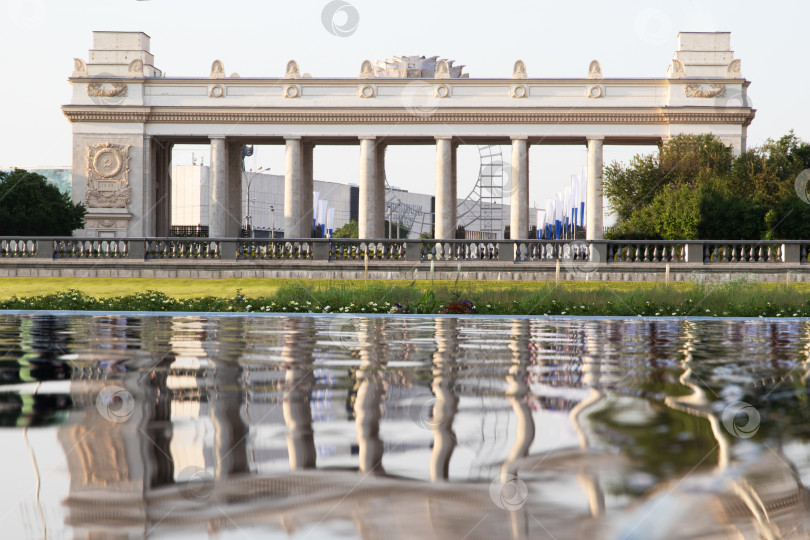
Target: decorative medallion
<point x="103" y="89"/>
<point x="704" y="90"/>
<point x="518" y="91"/>
<point x="108" y="176"/>
<point x="442" y="91"/>
<point x="291" y="91"/>
<point x="216" y="91"/>
<point x="594" y="91"/>
<point x="366" y="91"/>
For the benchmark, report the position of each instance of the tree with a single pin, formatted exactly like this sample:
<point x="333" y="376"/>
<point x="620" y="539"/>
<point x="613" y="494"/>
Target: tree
<point x="695" y="189"/>
<point x="30" y="206"/>
<point x="349" y="230"/>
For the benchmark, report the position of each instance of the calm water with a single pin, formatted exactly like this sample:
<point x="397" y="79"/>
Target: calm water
<point x="329" y="427"/>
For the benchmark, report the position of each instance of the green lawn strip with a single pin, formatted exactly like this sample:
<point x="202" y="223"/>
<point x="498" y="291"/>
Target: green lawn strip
<point x="736" y="298"/>
<point x="189" y="288"/>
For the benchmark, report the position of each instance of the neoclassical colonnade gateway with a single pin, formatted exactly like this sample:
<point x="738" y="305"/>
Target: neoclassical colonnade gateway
<point x="127" y="115"/>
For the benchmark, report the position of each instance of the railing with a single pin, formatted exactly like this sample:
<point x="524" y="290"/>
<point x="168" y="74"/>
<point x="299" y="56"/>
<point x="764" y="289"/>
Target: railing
<point x="609" y="252"/>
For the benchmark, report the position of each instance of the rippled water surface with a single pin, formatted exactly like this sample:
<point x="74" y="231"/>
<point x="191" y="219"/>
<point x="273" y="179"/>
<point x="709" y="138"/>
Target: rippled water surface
<point x="402" y="427"/>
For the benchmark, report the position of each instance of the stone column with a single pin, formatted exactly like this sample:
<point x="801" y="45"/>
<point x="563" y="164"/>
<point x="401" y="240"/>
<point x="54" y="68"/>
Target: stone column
<point x="519" y="190"/>
<point x="148" y="213"/>
<point x="307" y="211"/>
<point x="293" y="196"/>
<point x="380" y="191"/>
<point x="445" y="189"/>
<point x="370" y="216"/>
<point x="235" y="197"/>
<point x="593" y="200"/>
<point x="218" y="204"/>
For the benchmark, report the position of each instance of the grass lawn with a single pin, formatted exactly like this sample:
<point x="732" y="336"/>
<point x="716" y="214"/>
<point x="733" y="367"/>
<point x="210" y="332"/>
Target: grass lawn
<point x="734" y="298"/>
<point x="189" y="288"/>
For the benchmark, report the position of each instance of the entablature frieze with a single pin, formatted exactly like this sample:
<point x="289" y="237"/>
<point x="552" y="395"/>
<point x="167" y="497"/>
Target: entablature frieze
<point x="177" y="115"/>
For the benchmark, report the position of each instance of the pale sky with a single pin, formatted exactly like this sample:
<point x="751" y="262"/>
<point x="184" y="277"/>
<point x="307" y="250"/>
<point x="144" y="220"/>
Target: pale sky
<point x="40" y="38"/>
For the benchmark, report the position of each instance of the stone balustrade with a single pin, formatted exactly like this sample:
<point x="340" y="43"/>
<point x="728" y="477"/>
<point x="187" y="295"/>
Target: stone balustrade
<point x="278" y="251"/>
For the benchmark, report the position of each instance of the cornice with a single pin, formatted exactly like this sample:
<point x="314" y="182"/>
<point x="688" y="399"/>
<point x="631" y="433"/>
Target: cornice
<point x="80" y="113"/>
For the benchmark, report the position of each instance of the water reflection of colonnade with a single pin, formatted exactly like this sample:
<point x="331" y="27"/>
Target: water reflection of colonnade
<point x="196" y="370"/>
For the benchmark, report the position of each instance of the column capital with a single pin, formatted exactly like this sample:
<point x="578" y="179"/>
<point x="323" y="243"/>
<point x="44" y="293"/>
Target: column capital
<point x="367" y="137"/>
<point x="443" y="137"/>
<point x="293" y="138"/>
<point x="217" y="137"/>
<point x="520" y="138"/>
<point x="599" y="138"/>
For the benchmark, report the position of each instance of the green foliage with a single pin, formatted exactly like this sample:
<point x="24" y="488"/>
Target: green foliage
<point x="695" y="189"/>
<point x="349" y="230"/>
<point x="404" y="232"/>
<point x="30" y="206"/>
<point x="739" y="298"/>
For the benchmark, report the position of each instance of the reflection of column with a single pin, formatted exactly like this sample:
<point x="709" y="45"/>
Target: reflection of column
<point x="591" y="375"/>
<point x="516" y="392"/>
<point x="233" y="221"/>
<point x="307" y="212"/>
<point x="445" y="189"/>
<point x="369" y="395"/>
<point x="446" y="404"/>
<point x="226" y="400"/>
<point x="218" y="197"/>
<point x="519" y="200"/>
<point x="298" y="383"/>
<point x="370" y="217"/>
<point x="593" y="200"/>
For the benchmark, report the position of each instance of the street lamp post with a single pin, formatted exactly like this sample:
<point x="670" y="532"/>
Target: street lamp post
<point x="273" y="222"/>
<point x="249" y="181"/>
